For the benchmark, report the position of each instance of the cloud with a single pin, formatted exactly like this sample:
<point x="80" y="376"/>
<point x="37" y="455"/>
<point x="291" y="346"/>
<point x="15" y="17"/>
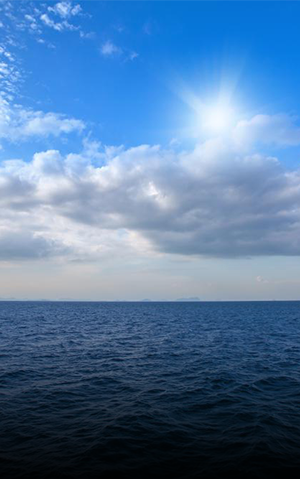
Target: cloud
<point x="34" y="18"/>
<point x="278" y="130"/>
<point x="17" y="123"/>
<point x="260" y="279"/>
<point x="109" y="49"/>
<point x="58" y="26"/>
<point x="65" y="9"/>
<point x="133" y="55"/>
<point x="23" y="245"/>
<point x="212" y="201"/>
<point x="148" y="28"/>
<point x="32" y="24"/>
<point x="9" y="73"/>
<point x="37" y="123"/>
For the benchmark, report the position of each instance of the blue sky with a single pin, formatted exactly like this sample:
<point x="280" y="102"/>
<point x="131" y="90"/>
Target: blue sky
<point x="149" y="149"/>
<point x="254" y="44"/>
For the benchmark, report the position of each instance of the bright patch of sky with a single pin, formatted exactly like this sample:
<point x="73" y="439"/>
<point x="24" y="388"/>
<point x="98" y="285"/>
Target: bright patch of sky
<point x="149" y="149"/>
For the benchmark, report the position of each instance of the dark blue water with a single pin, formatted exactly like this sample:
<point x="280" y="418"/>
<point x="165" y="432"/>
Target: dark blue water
<point x="140" y="389"/>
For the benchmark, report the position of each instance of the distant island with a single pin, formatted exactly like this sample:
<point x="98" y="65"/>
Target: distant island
<point x="193" y="298"/>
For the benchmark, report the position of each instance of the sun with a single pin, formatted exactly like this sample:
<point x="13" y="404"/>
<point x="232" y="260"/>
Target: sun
<point x="217" y="118"/>
<point x="212" y="116"/>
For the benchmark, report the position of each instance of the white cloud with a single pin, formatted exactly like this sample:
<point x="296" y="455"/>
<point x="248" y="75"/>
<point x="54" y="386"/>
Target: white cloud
<point x="109" y="49"/>
<point x="279" y="130"/>
<point x="212" y="201"/>
<point x="37" y="123"/>
<point x="17" y="123"/>
<point x="9" y="73"/>
<point x="59" y="17"/>
<point x="65" y="9"/>
<point x="133" y="55"/>
<point x="58" y="26"/>
<point x="32" y="22"/>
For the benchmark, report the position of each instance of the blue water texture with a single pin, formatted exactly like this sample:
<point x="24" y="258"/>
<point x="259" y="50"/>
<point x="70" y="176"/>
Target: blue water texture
<point x="181" y="390"/>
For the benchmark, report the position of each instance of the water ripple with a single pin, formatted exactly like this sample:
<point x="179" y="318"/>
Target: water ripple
<point x="184" y="390"/>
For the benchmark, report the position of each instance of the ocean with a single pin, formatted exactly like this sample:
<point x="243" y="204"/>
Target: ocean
<point x="181" y="390"/>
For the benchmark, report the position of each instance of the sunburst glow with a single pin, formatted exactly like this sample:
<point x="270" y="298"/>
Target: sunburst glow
<point x="217" y="118"/>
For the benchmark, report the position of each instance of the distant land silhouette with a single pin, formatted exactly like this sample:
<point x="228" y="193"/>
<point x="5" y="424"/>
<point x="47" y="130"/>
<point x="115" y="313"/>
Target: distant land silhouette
<point x="193" y="298"/>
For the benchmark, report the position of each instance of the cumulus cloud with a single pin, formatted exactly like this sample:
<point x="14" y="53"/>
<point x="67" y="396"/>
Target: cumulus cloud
<point x="279" y="130"/>
<point x="211" y="201"/>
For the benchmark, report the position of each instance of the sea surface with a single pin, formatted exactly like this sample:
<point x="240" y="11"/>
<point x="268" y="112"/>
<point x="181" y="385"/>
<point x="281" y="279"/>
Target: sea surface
<point x="181" y="390"/>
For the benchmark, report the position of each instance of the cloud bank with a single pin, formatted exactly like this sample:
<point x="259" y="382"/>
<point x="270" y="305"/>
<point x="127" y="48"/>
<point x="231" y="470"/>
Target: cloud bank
<point x="212" y="201"/>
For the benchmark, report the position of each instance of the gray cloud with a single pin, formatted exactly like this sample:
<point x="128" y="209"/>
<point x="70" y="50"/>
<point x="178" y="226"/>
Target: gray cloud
<point x="24" y="245"/>
<point x="212" y="201"/>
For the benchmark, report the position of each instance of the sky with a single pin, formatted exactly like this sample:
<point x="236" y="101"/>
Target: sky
<point x="149" y="150"/>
